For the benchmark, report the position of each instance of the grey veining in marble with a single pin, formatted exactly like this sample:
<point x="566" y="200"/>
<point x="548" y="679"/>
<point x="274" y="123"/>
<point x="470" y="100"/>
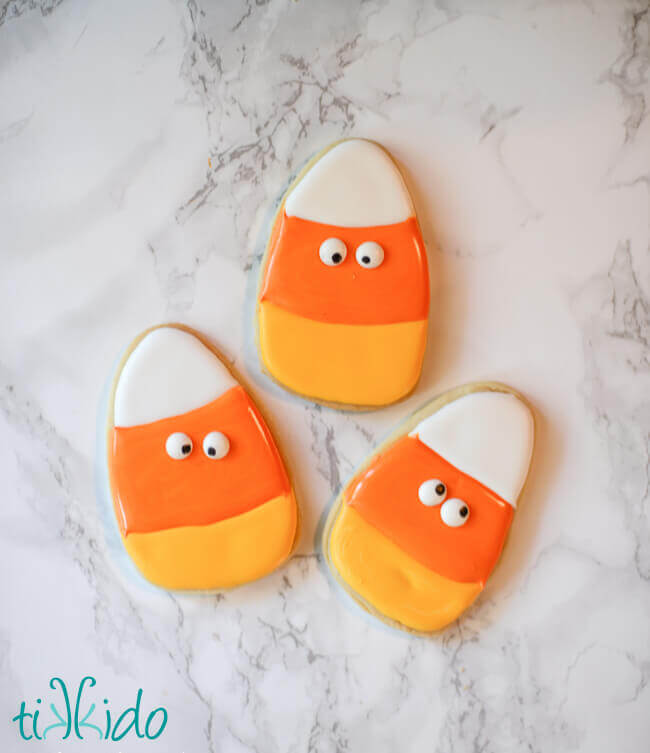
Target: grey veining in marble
<point x="143" y="147"/>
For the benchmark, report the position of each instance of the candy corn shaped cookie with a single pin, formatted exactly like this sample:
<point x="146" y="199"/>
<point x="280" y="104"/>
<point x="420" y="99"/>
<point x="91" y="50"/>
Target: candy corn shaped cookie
<point x="199" y="489"/>
<point x="344" y="295"/>
<point x="416" y="533"/>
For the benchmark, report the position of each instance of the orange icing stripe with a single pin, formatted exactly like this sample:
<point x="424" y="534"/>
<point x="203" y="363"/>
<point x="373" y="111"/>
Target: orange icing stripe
<point x="296" y="279"/>
<point x="153" y="492"/>
<point x="386" y="495"/>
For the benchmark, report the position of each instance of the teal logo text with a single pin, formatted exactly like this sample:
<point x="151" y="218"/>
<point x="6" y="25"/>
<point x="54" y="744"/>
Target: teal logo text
<point x="77" y="716"/>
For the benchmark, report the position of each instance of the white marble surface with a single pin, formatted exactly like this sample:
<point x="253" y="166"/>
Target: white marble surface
<point x="142" y="148"/>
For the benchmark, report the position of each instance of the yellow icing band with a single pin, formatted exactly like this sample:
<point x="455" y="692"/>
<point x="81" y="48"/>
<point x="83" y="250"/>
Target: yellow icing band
<point x="391" y="581"/>
<point x="341" y="363"/>
<point x="220" y="555"/>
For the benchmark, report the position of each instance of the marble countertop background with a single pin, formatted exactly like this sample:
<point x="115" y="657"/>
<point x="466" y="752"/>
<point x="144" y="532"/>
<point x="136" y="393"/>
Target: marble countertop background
<point x="143" y="147"/>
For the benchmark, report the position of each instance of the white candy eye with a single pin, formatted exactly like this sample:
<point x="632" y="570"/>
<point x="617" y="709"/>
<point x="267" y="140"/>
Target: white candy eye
<point x="178" y="445"/>
<point x="370" y="254"/>
<point x="216" y="445"/>
<point x="454" y="512"/>
<point x="432" y="492"/>
<point x="332" y="252"/>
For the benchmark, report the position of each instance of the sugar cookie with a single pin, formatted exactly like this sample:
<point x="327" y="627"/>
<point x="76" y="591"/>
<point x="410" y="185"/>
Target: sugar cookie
<point x="344" y="294"/>
<point x="416" y="533"/>
<point x="200" y="492"/>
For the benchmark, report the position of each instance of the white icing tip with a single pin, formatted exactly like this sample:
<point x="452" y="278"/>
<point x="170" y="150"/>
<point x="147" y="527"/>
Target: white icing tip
<point x="354" y="184"/>
<point x="169" y="372"/>
<point x="487" y="435"/>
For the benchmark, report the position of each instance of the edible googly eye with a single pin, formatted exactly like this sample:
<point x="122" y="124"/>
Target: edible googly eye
<point x="432" y="492"/>
<point x="370" y="255"/>
<point x="454" y="512"/>
<point x="216" y="445"/>
<point x="178" y="445"/>
<point x="332" y="252"/>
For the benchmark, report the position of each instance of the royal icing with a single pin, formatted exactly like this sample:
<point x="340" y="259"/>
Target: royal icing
<point x="356" y="184"/>
<point x="439" y="516"/>
<point x="344" y="292"/>
<point x="393" y="583"/>
<point x="170" y="372"/>
<point x="498" y="449"/>
<point x="421" y="530"/>
<point x="344" y="297"/>
<point x="203" y="465"/>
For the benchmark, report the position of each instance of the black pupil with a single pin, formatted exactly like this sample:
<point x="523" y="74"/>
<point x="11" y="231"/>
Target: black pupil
<point x="186" y="448"/>
<point x="211" y="451"/>
<point x="336" y="257"/>
<point x="365" y="259"/>
<point x="440" y="489"/>
<point x="463" y="512"/>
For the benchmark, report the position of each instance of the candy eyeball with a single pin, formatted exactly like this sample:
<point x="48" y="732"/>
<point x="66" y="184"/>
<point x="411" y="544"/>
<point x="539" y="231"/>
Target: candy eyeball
<point x="216" y="445"/>
<point x="454" y="512"/>
<point x="178" y="445"/>
<point x="370" y="255"/>
<point x="332" y="252"/>
<point x="432" y="492"/>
